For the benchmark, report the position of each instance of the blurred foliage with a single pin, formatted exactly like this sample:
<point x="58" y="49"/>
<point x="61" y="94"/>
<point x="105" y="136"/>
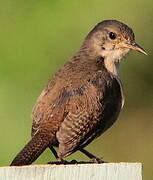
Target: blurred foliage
<point x="37" y="37"/>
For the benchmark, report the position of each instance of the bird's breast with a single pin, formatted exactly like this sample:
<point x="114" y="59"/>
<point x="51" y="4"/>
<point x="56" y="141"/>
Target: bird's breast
<point x="111" y="104"/>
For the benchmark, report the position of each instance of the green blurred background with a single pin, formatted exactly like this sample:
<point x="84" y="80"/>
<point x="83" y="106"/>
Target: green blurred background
<point x="37" y="37"/>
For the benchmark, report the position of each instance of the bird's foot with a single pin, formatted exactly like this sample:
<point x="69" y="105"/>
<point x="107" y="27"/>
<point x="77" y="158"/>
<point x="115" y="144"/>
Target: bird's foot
<point x="73" y="162"/>
<point x="64" y="162"/>
<point x="58" y="162"/>
<point x="61" y="161"/>
<point x="97" y="160"/>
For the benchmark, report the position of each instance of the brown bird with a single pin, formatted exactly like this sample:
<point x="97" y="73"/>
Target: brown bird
<point x="84" y="97"/>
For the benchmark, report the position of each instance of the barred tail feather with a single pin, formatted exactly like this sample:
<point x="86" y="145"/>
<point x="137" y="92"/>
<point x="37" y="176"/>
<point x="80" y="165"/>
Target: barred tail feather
<point x="32" y="150"/>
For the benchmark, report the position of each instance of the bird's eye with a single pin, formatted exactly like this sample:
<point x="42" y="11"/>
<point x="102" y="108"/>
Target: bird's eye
<point x="112" y="35"/>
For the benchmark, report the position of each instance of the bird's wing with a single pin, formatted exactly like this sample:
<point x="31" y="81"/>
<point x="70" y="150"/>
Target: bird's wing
<point x="90" y="113"/>
<point x="83" y="112"/>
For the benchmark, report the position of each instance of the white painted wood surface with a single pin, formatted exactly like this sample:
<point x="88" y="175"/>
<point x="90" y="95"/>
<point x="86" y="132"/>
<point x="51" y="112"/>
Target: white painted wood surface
<point x="106" y="171"/>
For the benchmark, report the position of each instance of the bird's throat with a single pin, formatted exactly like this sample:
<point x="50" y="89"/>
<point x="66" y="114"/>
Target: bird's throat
<point x="112" y="66"/>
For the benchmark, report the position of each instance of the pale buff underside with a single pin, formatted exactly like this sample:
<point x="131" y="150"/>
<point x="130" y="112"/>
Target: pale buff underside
<point x="112" y="59"/>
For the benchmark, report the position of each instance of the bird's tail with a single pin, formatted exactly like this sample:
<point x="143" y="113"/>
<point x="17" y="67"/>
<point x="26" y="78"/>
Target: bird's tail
<point x="32" y="150"/>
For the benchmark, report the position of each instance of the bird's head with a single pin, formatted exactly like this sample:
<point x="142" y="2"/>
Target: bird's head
<point x="112" y="40"/>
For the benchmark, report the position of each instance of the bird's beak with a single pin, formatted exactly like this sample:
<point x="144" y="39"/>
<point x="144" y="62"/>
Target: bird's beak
<point x="136" y="47"/>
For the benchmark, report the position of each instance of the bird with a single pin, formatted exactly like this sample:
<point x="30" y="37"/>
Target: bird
<point x="83" y="98"/>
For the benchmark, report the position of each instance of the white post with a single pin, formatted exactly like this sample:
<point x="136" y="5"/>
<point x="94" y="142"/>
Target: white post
<point x="105" y="171"/>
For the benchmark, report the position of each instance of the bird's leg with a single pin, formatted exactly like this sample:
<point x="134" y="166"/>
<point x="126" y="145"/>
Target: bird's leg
<point x="93" y="158"/>
<point x="53" y="151"/>
<point x="59" y="161"/>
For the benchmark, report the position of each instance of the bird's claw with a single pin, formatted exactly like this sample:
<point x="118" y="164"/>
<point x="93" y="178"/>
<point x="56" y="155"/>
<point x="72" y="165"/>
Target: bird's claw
<point x="97" y="160"/>
<point x="60" y="162"/>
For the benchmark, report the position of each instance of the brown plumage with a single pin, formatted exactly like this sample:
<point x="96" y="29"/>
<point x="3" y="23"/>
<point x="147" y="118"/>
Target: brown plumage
<point x="84" y="97"/>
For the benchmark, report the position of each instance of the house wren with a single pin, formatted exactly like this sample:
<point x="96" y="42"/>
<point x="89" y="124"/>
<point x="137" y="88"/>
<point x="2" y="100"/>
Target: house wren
<point x="84" y="97"/>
